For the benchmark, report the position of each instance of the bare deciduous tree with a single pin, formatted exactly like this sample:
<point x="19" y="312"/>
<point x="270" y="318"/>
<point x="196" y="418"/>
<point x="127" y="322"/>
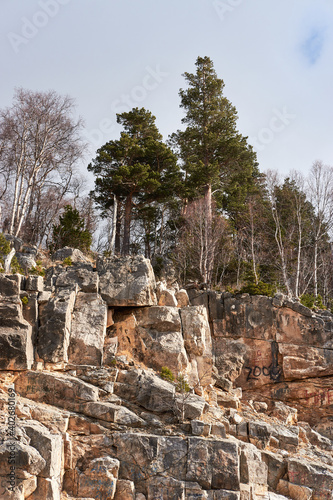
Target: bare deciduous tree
<point x="320" y="193"/>
<point x="40" y="145"/>
<point x="202" y="239"/>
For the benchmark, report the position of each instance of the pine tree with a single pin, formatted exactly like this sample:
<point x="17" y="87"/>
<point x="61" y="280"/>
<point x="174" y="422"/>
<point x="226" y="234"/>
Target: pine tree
<point x="133" y="171"/>
<point x="215" y="156"/>
<point x="71" y="231"/>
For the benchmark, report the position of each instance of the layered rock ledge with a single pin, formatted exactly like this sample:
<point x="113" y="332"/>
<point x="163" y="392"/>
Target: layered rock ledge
<point x="87" y="415"/>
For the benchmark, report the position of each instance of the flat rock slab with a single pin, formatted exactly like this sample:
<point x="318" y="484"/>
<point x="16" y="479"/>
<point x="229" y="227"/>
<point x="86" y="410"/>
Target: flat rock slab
<point x="110" y="412"/>
<point x="127" y="281"/>
<point x="16" y="350"/>
<point x="54" y="389"/>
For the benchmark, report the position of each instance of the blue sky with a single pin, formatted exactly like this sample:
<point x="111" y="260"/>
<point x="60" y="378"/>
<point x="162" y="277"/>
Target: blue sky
<point x="275" y="59"/>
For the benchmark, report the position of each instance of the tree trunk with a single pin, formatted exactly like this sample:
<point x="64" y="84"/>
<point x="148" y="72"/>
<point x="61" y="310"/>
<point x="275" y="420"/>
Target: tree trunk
<point x="118" y="231"/>
<point x="114" y="226"/>
<point x="127" y="225"/>
<point x="315" y="268"/>
<point x="8" y="260"/>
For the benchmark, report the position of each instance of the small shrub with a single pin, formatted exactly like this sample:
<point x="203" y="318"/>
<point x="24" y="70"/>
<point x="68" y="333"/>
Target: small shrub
<point x="182" y="384"/>
<point x="24" y="300"/>
<point x="15" y="266"/>
<point x="166" y="374"/>
<point x="37" y="270"/>
<point x="67" y="262"/>
<point x="4" y="245"/>
<point x="312" y="302"/>
<point x="259" y="288"/>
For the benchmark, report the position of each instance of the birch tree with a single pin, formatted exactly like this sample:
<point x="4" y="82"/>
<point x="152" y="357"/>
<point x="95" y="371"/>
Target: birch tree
<point x="42" y="140"/>
<point x="320" y="193"/>
<point x="273" y="182"/>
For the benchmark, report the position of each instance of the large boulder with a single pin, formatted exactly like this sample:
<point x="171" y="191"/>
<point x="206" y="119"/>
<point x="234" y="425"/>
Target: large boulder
<point x="88" y="330"/>
<point x="55" y="389"/>
<point x="55" y="326"/>
<point x="16" y="350"/>
<point x="198" y="343"/>
<point x="152" y="335"/>
<point x="99" y="479"/>
<point x="69" y="253"/>
<point x="127" y="281"/>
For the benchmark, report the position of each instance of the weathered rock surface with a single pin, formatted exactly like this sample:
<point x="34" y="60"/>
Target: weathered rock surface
<point x="16" y="349"/>
<point x="126" y="281"/>
<point x="88" y="330"/>
<point x="248" y="415"/>
<point x="54" y="332"/>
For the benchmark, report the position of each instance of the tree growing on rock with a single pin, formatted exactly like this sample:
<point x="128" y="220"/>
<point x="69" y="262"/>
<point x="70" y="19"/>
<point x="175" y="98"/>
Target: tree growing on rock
<point x="132" y="173"/>
<point x="215" y="157"/>
<point x="40" y="145"/>
<point x="71" y="231"/>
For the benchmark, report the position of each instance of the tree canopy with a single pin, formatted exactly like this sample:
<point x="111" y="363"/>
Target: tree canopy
<point x="214" y="155"/>
<point x="133" y="171"/>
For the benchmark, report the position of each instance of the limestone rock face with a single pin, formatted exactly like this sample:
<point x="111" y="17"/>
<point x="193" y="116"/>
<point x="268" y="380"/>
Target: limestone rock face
<point x="16" y="349"/>
<point x="81" y="276"/>
<point x="152" y="334"/>
<point x="54" y="332"/>
<point x="57" y="390"/>
<point x="99" y="479"/>
<point x="88" y="330"/>
<point x="198" y="342"/>
<point x="126" y="281"/>
<point x="272" y="347"/>
<point x="48" y="445"/>
<point x="246" y="412"/>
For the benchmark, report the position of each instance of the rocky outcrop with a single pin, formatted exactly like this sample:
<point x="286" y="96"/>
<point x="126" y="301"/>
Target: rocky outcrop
<point x="126" y="281"/>
<point x="16" y="349"/>
<point x="246" y="413"/>
<point x="274" y="349"/>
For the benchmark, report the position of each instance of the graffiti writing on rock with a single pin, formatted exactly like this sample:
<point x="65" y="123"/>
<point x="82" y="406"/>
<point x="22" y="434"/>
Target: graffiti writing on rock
<point x="273" y="371"/>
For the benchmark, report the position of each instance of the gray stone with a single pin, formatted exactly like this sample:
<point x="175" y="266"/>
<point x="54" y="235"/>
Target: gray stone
<point x="276" y="468"/>
<point x="143" y="456"/>
<point x="16" y="350"/>
<point x="110" y="412"/>
<point x="200" y="428"/>
<point x="81" y="276"/>
<point x="88" y="330"/>
<point x="27" y="459"/>
<point x="55" y="389"/>
<point x="54" y="332"/>
<point x="66" y="252"/>
<point x="253" y="470"/>
<point x="49" y="446"/>
<point x="99" y="479"/>
<point x="189" y="406"/>
<point x="10" y="285"/>
<point x="155" y="394"/>
<point x="213" y="464"/>
<point x="34" y="283"/>
<point x="126" y="281"/>
<point x="218" y="430"/>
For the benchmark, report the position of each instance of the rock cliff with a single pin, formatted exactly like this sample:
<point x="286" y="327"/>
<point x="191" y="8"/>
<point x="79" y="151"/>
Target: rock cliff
<point x="85" y="413"/>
